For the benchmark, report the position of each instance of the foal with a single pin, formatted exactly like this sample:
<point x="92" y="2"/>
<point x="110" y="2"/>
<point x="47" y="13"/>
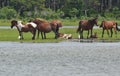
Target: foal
<point x="29" y="27"/>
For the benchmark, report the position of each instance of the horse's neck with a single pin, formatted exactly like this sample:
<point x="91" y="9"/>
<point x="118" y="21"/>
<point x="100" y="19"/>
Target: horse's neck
<point x="20" y="26"/>
<point x="91" y="23"/>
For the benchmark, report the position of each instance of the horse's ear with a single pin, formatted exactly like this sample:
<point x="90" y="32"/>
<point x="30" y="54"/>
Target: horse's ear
<point x="14" y="21"/>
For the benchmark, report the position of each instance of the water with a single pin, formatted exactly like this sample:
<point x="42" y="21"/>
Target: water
<point x="59" y="59"/>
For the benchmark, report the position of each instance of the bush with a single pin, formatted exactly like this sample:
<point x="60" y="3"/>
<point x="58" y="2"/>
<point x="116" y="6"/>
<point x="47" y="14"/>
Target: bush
<point x="7" y="13"/>
<point x="50" y="14"/>
<point x="73" y="12"/>
<point x="108" y="14"/>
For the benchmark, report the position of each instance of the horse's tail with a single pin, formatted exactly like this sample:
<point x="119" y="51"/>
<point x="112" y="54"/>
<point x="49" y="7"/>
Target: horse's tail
<point x="79" y="27"/>
<point x="118" y="29"/>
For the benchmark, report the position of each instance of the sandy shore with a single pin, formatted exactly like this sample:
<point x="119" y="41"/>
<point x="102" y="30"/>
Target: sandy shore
<point x="59" y="59"/>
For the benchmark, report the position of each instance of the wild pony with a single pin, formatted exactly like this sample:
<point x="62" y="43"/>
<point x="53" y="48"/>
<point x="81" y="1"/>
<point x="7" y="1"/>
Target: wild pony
<point x="44" y="26"/>
<point x="86" y="25"/>
<point x="29" y="27"/>
<point x="109" y="25"/>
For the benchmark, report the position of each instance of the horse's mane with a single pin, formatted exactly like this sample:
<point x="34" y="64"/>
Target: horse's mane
<point x="92" y="19"/>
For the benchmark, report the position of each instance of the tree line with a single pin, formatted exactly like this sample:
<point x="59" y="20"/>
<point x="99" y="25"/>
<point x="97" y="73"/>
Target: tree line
<point x="58" y="8"/>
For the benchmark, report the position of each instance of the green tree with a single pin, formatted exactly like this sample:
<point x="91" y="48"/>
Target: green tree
<point x="22" y="6"/>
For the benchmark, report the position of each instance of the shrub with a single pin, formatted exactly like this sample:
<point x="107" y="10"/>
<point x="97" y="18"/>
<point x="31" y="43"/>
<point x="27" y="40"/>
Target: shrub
<point x="7" y="13"/>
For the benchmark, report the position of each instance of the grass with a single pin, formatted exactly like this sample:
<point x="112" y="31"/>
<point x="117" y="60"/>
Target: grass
<point x="5" y="22"/>
<point x="12" y="35"/>
<point x="65" y="22"/>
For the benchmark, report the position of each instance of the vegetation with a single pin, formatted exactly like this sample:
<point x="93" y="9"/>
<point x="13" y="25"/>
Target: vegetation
<point x="70" y="12"/>
<point x="52" y="9"/>
<point x="12" y="35"/>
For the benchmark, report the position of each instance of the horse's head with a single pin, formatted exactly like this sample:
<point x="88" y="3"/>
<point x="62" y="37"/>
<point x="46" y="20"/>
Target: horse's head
<point x="59" y="23"/>
<point x="102" y="24"/>
<point x="95" y="21"/>
<point x="13" y="23"/>
<point x="55" y="25"/>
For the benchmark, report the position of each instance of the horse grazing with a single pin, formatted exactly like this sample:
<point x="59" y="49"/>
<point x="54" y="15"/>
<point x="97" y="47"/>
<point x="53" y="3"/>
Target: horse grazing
<point x="44" y="26"/>
<point x="86" y="25"/>
<point x="109" y="25"/>
<point x="29" y="27"/>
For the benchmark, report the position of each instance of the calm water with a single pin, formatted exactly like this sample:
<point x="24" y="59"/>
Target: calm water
<point x="59" y="59"/>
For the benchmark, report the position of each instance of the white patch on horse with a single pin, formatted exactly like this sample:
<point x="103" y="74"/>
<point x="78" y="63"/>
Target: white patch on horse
<point x="33" y="24"/>
<point x="19" y="37"/>
<point x="79" y="36"/>
<point x="20" y="25"/>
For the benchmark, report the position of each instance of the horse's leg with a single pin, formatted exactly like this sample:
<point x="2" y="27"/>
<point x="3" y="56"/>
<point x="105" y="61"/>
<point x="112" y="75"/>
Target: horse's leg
<point x="34" y="33"/>
<point x="56" y="31"/>
<point x="38" y="34"/>
<point x="108" y="32"/>
<point x="102" y="32"/>
<point x="56" y="35"/>
<point x="44" y="35"/>
<point x="115" y="32"/>
<point x="111" y="32"/>
<point x="88" y="34"/>
<point x="91" y="32"/>
<point x="81" y="34"/>
<point x="21" y="36"/>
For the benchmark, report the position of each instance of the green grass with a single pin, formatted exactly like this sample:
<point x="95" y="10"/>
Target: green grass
<point x="5" y="22"/>
<point x="65" y="22"/>
<point x="12" y="35"/>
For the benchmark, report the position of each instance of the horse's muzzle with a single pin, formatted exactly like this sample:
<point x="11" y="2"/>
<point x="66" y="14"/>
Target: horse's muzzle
<point x="11" y="27"/>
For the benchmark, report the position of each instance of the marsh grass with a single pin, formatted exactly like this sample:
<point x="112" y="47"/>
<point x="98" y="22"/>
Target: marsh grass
<point x="12" y="35"/>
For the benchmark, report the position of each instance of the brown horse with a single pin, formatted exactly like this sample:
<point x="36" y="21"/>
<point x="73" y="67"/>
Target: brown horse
<point x="109" y="25"/>
<point x="86" y="25"/>
<point x="29" y="27"/>
<point x="44" y="26"/>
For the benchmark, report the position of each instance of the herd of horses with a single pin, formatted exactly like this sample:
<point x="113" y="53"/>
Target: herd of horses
<point x="44" y="26"/>
<point x="41" y="25"/>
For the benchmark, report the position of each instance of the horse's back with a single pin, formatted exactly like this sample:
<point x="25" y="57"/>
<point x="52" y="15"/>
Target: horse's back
<point x="44" y="26"/>
<point x="83" y="22"/>
<point x="85" y="25"/>
<point x="109" y="24"/>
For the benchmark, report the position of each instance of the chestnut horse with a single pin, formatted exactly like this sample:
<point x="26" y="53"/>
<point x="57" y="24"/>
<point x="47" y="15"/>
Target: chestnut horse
<point x="44" y="26"/>
<point x="29" y="27"/>
<point x="86" y="25"/>
<point x="109" y="25"/>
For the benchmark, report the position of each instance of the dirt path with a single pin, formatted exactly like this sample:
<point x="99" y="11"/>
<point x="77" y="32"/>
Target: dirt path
<point x="59" y="59"/>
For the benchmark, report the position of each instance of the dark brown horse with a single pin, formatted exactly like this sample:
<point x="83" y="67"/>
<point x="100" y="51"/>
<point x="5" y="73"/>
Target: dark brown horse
<point x="29" y="27"/>
<point x="86" y="25"/>
<point x="109" y="25"/>
<point x="44" y="26"/>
